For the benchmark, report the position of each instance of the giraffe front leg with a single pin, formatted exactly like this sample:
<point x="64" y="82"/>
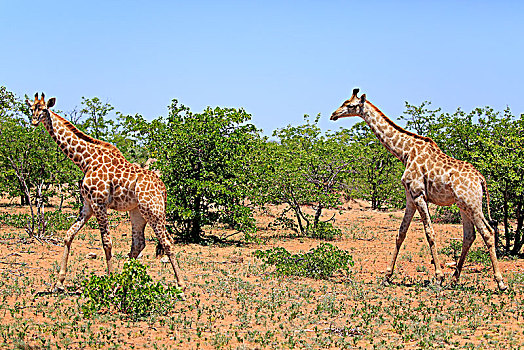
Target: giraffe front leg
<point x="85" y="213"/>
<point x="404" y="226"/>
<point x="100" y="212"/>
<point x="422" y="207"/>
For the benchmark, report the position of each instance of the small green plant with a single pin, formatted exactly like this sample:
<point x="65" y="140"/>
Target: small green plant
<point x="55" y="220"/>
<point x="453" y="249"/>
<point x="447" y="215"/>
<point x="325" y="230"/>
<point x="320" y="262"/>
<point x="477" y="255"/>
<point x="131" y="292"/>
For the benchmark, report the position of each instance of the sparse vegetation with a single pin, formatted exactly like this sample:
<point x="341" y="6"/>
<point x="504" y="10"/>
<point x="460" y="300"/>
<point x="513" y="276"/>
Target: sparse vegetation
<point x="131" y="292"/>
<point x="320" y="262"/>
<point x="476" y="255"/>
<point x="240" y="296"/>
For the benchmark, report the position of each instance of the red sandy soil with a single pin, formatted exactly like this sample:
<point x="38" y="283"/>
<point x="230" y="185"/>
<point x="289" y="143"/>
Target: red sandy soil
<point x="220" y="276"/>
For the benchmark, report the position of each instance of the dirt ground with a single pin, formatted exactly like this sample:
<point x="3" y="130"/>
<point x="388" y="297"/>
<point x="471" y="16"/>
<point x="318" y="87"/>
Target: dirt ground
<point x="234" y="301"/>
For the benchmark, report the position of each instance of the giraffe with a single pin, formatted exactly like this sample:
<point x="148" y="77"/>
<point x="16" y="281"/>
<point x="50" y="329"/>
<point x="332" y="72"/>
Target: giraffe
<point x="109" y="182"/>
<point x="430" y="176"/>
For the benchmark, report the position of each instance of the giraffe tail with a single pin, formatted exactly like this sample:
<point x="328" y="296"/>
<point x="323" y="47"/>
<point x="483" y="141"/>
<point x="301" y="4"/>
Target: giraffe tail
<point x="492" y="223"/>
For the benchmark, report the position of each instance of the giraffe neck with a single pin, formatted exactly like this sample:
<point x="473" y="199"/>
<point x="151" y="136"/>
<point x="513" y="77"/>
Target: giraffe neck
<point x="79" y="147"/>
<point x="398" y="141"/>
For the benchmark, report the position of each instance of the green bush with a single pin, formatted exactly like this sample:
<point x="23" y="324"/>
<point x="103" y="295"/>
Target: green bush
<point x="320" y="262"/>
<point x="204" y="165"/>
<point x="447" y="215"/>
<point x="324" y="230"/>
<point x="55" y="220"/>
<point x="14" y="220"/>
<point x="131" y="292"/>
<point x="478" y="255"/>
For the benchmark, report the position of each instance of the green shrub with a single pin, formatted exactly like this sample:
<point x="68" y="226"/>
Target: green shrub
<point x="58" y="220"/>
<point x="453" y="249"/>
<point x="325" y="230"/>
<point x="131" y="292"/>
<point x="447" y="215"/>
<point x="478" y="255"/>
<point x="55" y="220"/>
<point x="320" y="262"/>
<point x="14" y="220"/>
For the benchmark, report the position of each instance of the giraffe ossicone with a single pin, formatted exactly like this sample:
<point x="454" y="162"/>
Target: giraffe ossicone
<point x="109" y="182"/>
<point x="430" y="176"/>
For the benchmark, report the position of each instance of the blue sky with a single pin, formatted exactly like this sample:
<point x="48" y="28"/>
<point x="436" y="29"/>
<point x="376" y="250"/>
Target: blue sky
<point x="277" y="59"/>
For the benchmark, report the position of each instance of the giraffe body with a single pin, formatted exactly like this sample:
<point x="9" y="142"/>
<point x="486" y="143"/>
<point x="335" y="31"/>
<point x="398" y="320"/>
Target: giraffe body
<point x="109" y="182"/>
<point x="430" y="176"/>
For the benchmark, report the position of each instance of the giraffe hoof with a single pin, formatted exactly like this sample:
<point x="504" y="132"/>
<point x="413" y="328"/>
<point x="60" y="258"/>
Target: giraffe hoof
<point x="502" y="286"/>
<point x="440" y="280"/>
<point x="182" y="296"/>
<point x="453" y="283"/>
<point x="58" y="288"/>
<point x="386" y="282"/>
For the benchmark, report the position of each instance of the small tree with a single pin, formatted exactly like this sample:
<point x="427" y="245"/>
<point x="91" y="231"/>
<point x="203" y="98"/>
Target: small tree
<point x="303" y="167"/>
<point x="30" y="156"/>
<point x="97" y="124"/>
<point x="376" y="173"/>
<point x="202" y="159"/>
<point x="9" y="182"/>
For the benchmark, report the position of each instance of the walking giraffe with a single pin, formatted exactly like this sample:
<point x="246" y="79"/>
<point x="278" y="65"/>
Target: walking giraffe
<point x="110" y="182"/>
<point x="430" y="176"/>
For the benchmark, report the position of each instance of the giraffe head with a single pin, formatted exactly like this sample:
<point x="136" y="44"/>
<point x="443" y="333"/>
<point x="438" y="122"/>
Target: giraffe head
<point x="39" y="108"/>
<point x="350" y="108"/>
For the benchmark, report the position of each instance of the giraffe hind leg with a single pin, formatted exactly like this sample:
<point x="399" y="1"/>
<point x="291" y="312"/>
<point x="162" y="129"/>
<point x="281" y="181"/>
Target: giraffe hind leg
<point x="100" y="212"/>
<point x="422" y="207"/>
<point x="138" y="225"/>
<point x="488" y="234"/>
<point x="154" y="214"/>
<point x="467" y="240"/>
<point x="161" y="234"/>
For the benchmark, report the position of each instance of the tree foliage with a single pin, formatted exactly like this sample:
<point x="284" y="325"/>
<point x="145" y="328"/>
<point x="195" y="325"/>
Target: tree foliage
<point x="96" y="123"/>
<point x="376" y="173"/>
<point x="31" y="164"/>
<point x="303" y="167"/>
<point x="202" y="159"/>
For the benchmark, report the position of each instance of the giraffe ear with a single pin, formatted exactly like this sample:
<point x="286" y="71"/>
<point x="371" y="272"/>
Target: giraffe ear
<point x="363" y="98"/>
<point x="355" y="91"/>
<point x="51" y="102"/>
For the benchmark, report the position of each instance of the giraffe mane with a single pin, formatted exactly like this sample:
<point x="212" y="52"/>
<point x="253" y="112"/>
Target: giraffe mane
<point x="399" y="128"/>
<point x="69" y="126"/>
